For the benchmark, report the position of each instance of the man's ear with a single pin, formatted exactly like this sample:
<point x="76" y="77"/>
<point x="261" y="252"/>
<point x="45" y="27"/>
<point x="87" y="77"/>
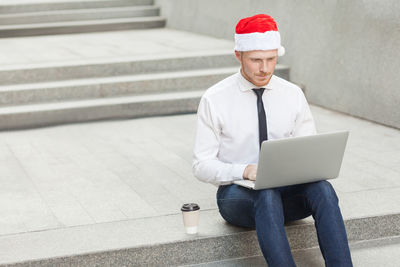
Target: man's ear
<point x="238" y="56"/>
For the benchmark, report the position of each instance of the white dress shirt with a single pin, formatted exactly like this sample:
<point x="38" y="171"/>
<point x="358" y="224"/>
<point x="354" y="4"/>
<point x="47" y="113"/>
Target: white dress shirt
<point x="227" y="125"/>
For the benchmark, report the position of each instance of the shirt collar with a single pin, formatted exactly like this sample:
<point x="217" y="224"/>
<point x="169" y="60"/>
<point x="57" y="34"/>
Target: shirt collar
<point x="245" y="85"/>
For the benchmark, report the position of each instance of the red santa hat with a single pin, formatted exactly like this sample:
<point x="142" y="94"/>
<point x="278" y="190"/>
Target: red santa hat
<point x="258" y="32"/>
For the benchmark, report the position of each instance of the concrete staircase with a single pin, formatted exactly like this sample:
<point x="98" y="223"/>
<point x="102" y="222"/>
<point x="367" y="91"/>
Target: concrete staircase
<point x="61" y="17"/>
<point x="33" y="95"/>
<point x="41" y="95"/>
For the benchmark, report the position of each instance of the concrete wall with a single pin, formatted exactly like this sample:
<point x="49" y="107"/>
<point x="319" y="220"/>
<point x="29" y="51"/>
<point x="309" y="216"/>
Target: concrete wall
<point x="347" y="53"/>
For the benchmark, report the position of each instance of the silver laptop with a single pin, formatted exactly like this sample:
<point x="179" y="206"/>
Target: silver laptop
<point x="299" y="160"/>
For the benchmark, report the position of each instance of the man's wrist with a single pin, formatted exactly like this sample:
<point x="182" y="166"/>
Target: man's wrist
<point x="245" y="173"/>
<point x="238" y="170"/>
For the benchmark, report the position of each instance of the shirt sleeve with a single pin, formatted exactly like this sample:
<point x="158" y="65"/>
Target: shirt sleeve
<point x="304" y="124"/>
<point x="206" y="165"/>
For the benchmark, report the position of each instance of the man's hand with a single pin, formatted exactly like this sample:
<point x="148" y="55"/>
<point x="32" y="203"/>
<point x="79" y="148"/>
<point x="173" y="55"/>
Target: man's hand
<point x="250" y="172"/>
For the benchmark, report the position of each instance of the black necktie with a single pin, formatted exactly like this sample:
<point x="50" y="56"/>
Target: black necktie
<point x="262" y="120"/>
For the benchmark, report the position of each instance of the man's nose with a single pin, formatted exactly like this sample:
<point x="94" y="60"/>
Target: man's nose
<point x="263" y="66"/>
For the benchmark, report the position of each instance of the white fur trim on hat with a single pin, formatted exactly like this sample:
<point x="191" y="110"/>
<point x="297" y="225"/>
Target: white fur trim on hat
<point x="259" y="41"/>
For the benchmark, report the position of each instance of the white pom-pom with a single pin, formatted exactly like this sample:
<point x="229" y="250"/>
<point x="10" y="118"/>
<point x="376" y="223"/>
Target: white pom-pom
<point x="281" y="51"/>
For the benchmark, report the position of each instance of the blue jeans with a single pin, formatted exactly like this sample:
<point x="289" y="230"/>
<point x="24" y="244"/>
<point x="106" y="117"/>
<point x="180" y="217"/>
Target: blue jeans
<point x="267" y="210"/>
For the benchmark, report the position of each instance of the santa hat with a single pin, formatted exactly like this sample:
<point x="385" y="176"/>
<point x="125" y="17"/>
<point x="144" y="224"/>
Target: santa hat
<point x="258" y="32"/>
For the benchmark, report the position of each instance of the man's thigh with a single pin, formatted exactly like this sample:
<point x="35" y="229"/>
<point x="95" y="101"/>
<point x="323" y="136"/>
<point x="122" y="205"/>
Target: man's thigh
<point x="236" y="205"/>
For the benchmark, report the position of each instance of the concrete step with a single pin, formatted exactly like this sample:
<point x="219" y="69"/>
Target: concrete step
<point x="18" y="6"/>
<point x="371" y="253"/>
<point x="32" y="73"/>
<point x="81" y="26"/>
<point x="112" y="86"/>
<point x="161" y="241"/>
<point x="28" y="116"/>
<point x="79" y="15"/>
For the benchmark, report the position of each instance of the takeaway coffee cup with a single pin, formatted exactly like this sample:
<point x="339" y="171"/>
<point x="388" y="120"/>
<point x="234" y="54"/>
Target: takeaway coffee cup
<point x="190" y="213"/>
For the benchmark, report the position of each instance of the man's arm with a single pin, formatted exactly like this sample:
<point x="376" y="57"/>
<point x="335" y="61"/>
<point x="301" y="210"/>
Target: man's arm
<point x="206" y="165"/>
<point x="304" y="124"/>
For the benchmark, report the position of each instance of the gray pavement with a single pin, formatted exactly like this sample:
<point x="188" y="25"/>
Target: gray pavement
<point x="95" y="186"/>
<point x="100" y="172"/>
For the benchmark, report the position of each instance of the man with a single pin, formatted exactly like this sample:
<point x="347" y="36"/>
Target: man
<point x="234" y="117"/>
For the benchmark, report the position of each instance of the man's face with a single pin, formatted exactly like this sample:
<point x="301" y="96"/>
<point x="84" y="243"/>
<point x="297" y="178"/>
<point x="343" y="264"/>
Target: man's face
<point x="258" y="65"/>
